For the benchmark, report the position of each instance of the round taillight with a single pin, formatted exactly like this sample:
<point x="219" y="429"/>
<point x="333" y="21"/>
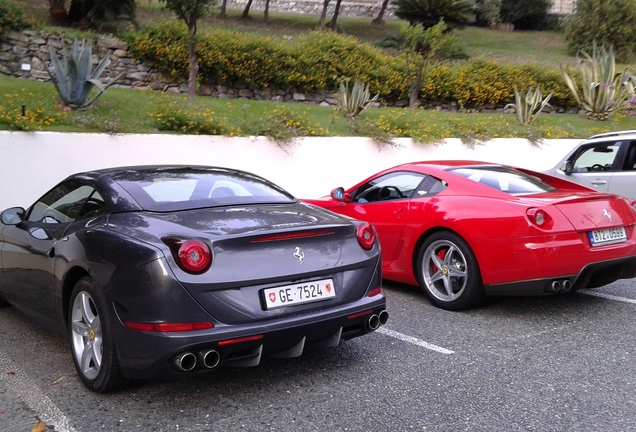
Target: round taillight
<point x="540" y="218"/>
<point x="366" y="235"/>
<point x="194" y="256"/>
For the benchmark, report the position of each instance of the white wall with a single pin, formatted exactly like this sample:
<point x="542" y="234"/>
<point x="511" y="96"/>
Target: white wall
<point x="32" y="162"/>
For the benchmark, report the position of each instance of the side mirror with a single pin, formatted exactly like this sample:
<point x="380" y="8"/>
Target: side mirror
<point x="568" y="168"/>
<point x="340" y="195"/>
<point x="13" y="216"/>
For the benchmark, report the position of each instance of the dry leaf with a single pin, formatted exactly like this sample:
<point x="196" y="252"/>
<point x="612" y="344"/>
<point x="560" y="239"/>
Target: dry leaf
<point x="10" y="372"/>
<point x="38" y="427"/>
<point x="59" y="380"/>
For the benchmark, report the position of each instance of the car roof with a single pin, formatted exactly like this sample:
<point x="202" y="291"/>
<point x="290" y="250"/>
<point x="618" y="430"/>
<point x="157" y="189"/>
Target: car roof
<point x="129" y="171"/>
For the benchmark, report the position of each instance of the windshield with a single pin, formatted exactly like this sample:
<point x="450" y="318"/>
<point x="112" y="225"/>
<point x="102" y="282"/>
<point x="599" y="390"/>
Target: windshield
<point x="505" y="179"/>
<point x="188" y="188"/>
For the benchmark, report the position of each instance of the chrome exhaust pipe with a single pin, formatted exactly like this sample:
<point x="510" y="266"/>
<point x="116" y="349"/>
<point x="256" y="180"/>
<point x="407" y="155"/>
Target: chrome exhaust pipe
<point x="567" y="285"/>
<point x="185" y="361"/>
<point x="383" y="316"/>
<point x="210" y="358"/>
<point x="374" y="322"/>
<point x="556" y="286"/>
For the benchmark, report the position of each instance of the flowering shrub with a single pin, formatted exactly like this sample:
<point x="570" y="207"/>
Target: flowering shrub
<point x="316" y="61"/>
<point x="175" y="118"/>
<point x="12" y="17"/>
<point x="283" y="125"/>
<point x="34" y="116"/>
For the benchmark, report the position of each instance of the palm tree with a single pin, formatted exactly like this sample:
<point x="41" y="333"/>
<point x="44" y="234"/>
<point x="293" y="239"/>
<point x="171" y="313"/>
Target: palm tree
<point x="455" y="13"/>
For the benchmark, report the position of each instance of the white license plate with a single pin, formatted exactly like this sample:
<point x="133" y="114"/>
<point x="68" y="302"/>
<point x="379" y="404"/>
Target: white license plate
<point x="607" y="236"/>
<point x="299" y="293"/>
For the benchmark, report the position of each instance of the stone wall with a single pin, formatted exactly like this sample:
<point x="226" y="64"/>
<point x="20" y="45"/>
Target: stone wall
<point x="26" y="55"/>
<point x="355" y="9"/>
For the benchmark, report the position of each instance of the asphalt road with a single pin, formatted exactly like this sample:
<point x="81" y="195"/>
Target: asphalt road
<point x="565" y="363"/>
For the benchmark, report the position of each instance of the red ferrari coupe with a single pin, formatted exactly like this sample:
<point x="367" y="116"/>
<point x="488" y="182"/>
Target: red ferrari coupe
<point x="464" y="230"/>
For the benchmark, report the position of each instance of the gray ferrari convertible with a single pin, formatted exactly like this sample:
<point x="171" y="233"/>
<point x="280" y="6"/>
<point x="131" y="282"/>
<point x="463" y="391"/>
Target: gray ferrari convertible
<point x="168" y="271"/>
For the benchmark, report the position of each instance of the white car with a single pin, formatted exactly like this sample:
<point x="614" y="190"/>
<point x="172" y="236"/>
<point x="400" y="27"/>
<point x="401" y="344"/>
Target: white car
<point x="604" y="162"/>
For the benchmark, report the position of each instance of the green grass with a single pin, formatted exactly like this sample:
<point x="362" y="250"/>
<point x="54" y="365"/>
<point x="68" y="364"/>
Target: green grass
<point x="135" y="111"/>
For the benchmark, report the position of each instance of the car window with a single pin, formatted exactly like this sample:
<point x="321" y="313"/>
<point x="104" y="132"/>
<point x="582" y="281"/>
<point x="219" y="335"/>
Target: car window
<point x="390" y="186"/>
<point x="181" y="189"/>
<point x="66" y="203"/>
<point x="630" y="159"/>
<point x="596" y="158"/>
<point x="504" y="179"/>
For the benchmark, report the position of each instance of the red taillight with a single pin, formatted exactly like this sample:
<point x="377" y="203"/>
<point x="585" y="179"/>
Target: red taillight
<point x="169" y="327"/>
<point x="359" y="314"/>
<point x="240" y="340"/>
<point x="375" y="292"/>
<point x="293" y="235"/>
<point x="539" y="218"/>
<point x="193" y="256"/>
<point x="365" y="234"/>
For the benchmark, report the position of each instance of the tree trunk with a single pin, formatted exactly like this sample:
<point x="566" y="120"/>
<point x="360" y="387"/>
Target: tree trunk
<point x="323" y="15"/>
<point x="194" y="66"/>
<point x="380" y="18"/>
<point x="266" y="13"/>
<point x="57" y="11"/>
<point x="246" y="11"/>
<point x="334" y="20"/>
<point x="414" y="90"/>
<point x="223" y="13"/>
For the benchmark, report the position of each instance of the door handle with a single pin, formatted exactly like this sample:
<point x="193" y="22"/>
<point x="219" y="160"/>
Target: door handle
<point x="399" y="211"/>
<point x="598" y="182"/>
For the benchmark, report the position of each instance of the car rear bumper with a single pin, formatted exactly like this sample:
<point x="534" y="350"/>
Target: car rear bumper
<point x="149" y="355"/>
<point x="593" y="275"/>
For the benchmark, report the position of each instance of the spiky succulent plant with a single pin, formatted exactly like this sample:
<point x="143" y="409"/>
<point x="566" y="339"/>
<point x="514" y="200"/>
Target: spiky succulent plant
<point x="73" y="76"/>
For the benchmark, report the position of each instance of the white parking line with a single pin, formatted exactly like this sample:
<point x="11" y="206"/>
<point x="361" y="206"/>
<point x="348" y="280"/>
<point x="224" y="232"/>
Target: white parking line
<point x="414" y="341"/>
<point x="606" y="296"/>
<point x="29" y="393"/>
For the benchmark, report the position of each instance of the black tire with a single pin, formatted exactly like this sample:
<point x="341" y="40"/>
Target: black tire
<point x="92" y="345"/>
<point x="448" y="272"/>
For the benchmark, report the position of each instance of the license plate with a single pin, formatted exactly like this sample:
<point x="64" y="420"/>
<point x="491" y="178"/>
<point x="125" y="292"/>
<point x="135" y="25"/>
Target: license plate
<point x="304" y="292"/>
<point x="607" y="236"/>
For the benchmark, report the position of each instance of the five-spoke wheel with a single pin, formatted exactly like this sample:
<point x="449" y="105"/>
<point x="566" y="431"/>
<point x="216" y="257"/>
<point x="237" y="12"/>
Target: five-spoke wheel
<point x="448" y="272"/>
<point x="91" y="342"/>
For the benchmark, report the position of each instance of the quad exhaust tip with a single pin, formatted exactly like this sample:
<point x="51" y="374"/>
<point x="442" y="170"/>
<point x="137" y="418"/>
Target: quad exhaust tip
<point x="209" y="358"/>
<point x="376" y="320"/>
<point x="187" y="361"/>
<point x="559" y="286"/>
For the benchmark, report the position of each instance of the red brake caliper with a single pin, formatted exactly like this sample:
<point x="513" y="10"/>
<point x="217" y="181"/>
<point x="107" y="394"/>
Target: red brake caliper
<point x="441" y="255"/>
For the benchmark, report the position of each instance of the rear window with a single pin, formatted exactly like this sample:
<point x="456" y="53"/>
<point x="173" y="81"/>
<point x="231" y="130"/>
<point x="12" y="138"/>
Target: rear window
<point x="504" y="179"/>
<point x="181" y="189"/>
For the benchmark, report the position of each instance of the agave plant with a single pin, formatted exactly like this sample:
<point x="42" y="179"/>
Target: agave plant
<point x="602" y="89"/>
<point x="357" y="100"/>
<point x="73" y="77"/>
<point x="528" y="106"/>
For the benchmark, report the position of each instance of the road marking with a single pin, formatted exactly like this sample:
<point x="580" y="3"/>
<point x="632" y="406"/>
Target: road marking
<point x="606" y="296"/>
<point x="414" y="341"/>
<point x="20" y="384"/>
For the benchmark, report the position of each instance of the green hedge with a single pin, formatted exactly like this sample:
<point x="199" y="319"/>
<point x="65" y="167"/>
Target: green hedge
<point x="12" y="17"/>
<point x="318" y="60"/>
